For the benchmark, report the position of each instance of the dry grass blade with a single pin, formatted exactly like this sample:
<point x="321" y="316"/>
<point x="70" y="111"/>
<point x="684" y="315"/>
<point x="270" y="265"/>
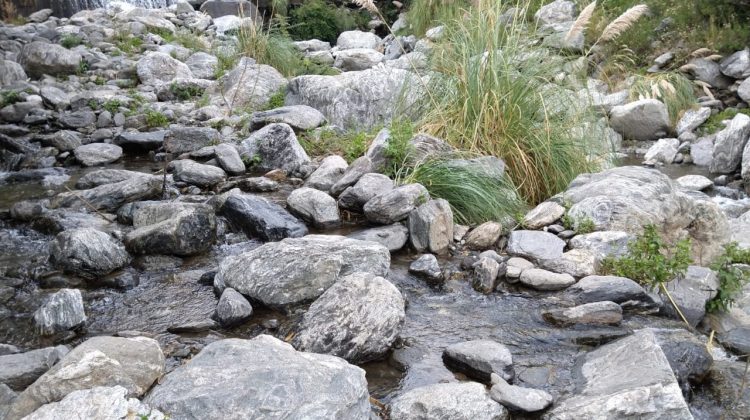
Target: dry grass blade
<point x="623" y="22"/>
<point x="579" y="26"/>
<point x="367" y="4"/>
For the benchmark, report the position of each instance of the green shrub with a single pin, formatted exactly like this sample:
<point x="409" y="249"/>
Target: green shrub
<point x="349" y="145"/>
<point x="227" y="59"/>
<point x="425" y="14"/>
<point x="155" y="119"/>
<point x="165" y="34"/>
<point x="277" y="99"/>
<point x="9" y="97"/>
<point x="317" y="19"/>
<point x="650" y="261"/>
<point x="70" y="41"/>
<point x="397" y="149"/>
<point x="732" y="278"/>
<point x="113" y="106"/>
<point x="581" y="226"/>
<point x="185" y="92"/>
<point x="714" y="122"/>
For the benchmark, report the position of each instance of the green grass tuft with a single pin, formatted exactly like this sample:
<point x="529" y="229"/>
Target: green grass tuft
<point x="70" y="41"/>
<point x="674" y="89"/>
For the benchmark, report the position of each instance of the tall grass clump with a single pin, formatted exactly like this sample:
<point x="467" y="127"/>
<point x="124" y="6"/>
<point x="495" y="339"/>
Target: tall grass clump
<point x="492" y="94"/>
<point x="674" y="89"/>
<point x="269" y="46"/>
<point x="425" y="14"/>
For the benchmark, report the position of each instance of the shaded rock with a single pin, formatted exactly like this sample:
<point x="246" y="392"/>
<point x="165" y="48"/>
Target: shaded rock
<point x="111" y="196"/>
<point x="691" y="293"/>
<point x="431" y="226"/>
<point x="314" y="206"/>
<point x="545" y="280"/>
<point x="486" y="271"/>
<point x="729" y="144"/>
<point x="535" y="245"/>
<point x="365" y="189"/>
<point x="456" y="401"/>
<point x="258" y="217"/>
<point x="137" y="141"/>
<point x="88" y="252"/>
<point x="235" y="378"/>
<point x="40" y="58"/>
<point x="357" y="318"/>
<point x="65" y="140"/>
<point x="77" y="119"/>
<point x="193" y="327"/>
<point x="297" y="270"/>
<point x="687" y="355"/>
<point x="395" y="205"/>
<point x="20" y="370"/>
<point x="276" y="147"/>
<point x="187" y="139"/>
<point x="249" y="84"/>
<point x="542" y="215"/>
<point x="646" y="119"/>
<point x="393" y="236"/>
<point x="427" y="266"/>
<point x="517" y="398"/>
<point x="299" y="117"/>
<point x="726" y="385"/>
<point x="233" y="308"/>
<point x="258" y="184"/>
<point x="352" y="174"/>
<point x="62" y="311"/>
<point x="331" y="169"/>
<point x="737" y="65"/>
<point x="710" y="72"/>
<point x="11" y="72"/>
<point x="184" y="230"/>
<point x="479" y="359"/>
<point x="198" y="174"/>
<point x="609" y="288"/>
<point x="229" y="159"/>
<point x="7" y="396"/>
<point x="156" y="68"/>
<point x="484" y="236"/>
<point x="96" y="403"/>
<point x="595" y="313"/>
<point x="95" y="154"/>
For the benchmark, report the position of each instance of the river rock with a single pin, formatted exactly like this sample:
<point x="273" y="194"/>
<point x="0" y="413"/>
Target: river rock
<point x="393" y="236"/>
<point x="479" y="359"/>
<point x="737" y="65"/>
<point x="88" y="252"/>
<point x="605" y="243"/>
<point x="139" y="142"/>
<point x="595" y="313"/>
<point x="535" y="245"/>
<point x="96" y="403"/>
<point x="484" y="236"/>
<point x="663" y="151"/>
<point x="576" y="262"/>
<point x="357" y="319"/>
<point x="692" y="119"/>
<point x="62" y="311"/>
<point x="646" y="119"/>
<point x="609" y="288"/>
<point x="516" y="266"/>
<point x="729" y="145"/>
<point x="95" y="154"/>
<point x="242" y="379"/>
<point x="202" y="65"/>
<point x="188" y="139"/>
<point x="358" y="100"/>
<point x="110" y="197"/>
<point x="694" y="182"/>
<point x="195" y="173"/>
<point x="699" y="285"/>
<point x="11" y="72"/>
<point x="248" y="84"/>
<point x="357" y="59"/>
<point x="105" y="176"/>
<point x="315" y="207"/>
<point x="357" y="39"/>
<point x="486" y="271"/>
<point x="395" y="205"/>
<point x="628" y="377"/>
<point x="229" y="159"/>
<point x="361" y="166"/>
<point x="172" y="230"/>
<point x="431" y="226"/>
<point x="517" y="398"/>
<point x="743" y="90"/>
<point x="709" y="71"/>
<point x="233" y="308"/>
<point x="258" y="184"/>
<point x="545" y="280"/>
<point x="156" y="68"/>
<point x="687" y="355"/>
<point x="455" y="401"/>
<point x="276" y="147"/>
<point x="558" y="11"/>
<point x="40" y="58"/>
<point x="258" y="217"/>
<point x="427" y="266"/>
<point x="20" y="370"/>
<point x="365" y="189"/>
<point x="331" y="169"/>
<point x="542" y="215"/>
<point x="77" y="119"/>
<point x="133" y="363"/>
<point x="7" y="396"/>
<point x="299" y="117"/>
<point x="296" y="270"/>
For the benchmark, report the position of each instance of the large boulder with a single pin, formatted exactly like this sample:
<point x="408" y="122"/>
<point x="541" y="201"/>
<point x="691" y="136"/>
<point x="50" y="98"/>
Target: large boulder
<point x="357" y="59"/>
<point x="608" y="288"/>
<point x="558" y="11"/>
<point x="630" y="377"/>
<point x="62" y="311"/>
<point x="646" y="119"/>
<point x="274" y="146"/>
<point x="535" y="245"/>
<point x="737" y="65"/>
<point x="358" y="39"/>
<point x="357" y="99"/>
<point x="156" y="68"/>
<point x="11" y="72"/>
<point x="203" y="65"/>
<point x="258" y="217"/>
<point x="20" y="370"/>
<point x="88" y="252"/>
<point x="98" y="402"/>
<point x="368" y="186"/>
<point x="629" y="198"/>
<point x="395" y="205"/>
<point x="95" y="154"/>
<point x="237" y="379"/>
<point x="248" y="84"/>
<point x="455" y="401"/>
<point x="187" y="139"/>
<point x="729" y="145"/>
<point x="111" y="196"/>
<point x="299" y="117"/>
<point x="133" y="363"/>
<point x="358" y="319"/>
<point x="40" y="58"/>
<point x="431" y="226"/>
<point x="187" y="229"/>
<point x="195" y="173"/>
<point x="296" y="270"/>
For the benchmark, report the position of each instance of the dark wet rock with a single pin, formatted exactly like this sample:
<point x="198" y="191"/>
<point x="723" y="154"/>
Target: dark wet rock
<point x="395" y="205"/>
<point x="427" y="266"/>
<point x="610" y="288"/>
<point x="691" y="293"/>
<point x="368" y="186"/>
<point x="110" y="197"/>
<point x="518" y="398"/>
<point x="595" y="313"/>
<point x="77" y="119"/>
<point x="258" y="184"/>
<point x="545" y="280"/>
<point x="61" y="311"/>
<point x="137" y="141"/>
<point x="431" y="226"/>
<point x="95" y="154"/>
<point x="229" y="159"/>
<point x="88" y="252"/>
<point x="197" y="173"/>
<point x="299" y="117"/>
<point x="479" y="359"/>
<point x="258" y="217"/>
<point x="133" y="363"/>
<point x="456" y="401"/>
<point x="237" y="378"/>
<point x="96" y="403"/>
<point x="358" y="318"/>
<point x="727" y="387"/>
<point x="187" y="139"/>
<point x="393" y="236"/>
<point x="628" y="377"/>
<point x="193" y="327"/>
<point x="687" y="355"/>
<point x="275" y="146"/>
<point x="315" y="207"/>
<point x="52" y="222"/>
<point x="20" y="370"/>
<point x="535" y="245"/>
<point x="40" y="58"/>
<point x="156" y="68"/>
<point x="296" y="270"/>
<point x="233" y="308"/>
<point x="189" y="230"/>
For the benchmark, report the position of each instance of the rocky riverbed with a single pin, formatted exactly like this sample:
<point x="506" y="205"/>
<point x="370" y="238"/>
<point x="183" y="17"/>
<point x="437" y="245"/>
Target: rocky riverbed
<point x="208" y="267"/>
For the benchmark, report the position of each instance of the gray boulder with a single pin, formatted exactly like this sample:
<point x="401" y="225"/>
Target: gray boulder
<point x="296" y="270"/>
<point x="542" y="215"/>
<point x="331" y="169"/>
<point x="133" y="363"/>
<point x="96" y="403"/>
<point x="11" y="72"/>
<point x="646" y="119"/>
<point x="195" y="173"/>
<point x="368" y="186"/>
<point x="258" y="217"/>
<point x="20" y="370"/>
<point x="558" y="11"/>
<point x="455" y="401"/>
<point x="237" y="379"/>
<point x="595" y="313"/>
<point x="95" y="154"/>
<point x="699" y="285"/>
<point x="576" y="262"/>
<point x="357" y="59"/>
<point x="609" y="288"/>
<point x="663" y="151"/>
<point x="229" y="159"/>
<point x="88" y="252"/>
<point x="65" y="140"/>
<point x="188" y="139"/>
<point x="40" y="58"/>
<point x="248" y="84"/>
<point x="156" y="68"/>
<point x="629" y="377"/>
<point x="709" y="71"/>
<point x="202" y="65"/>
<point x="111" y="196"/>
<point x="233" y="308"/>
<point x="77" y="119"/>
<point x="62" y="311"/>
<point x="535" y="245"/>
<point x="431" y="226"/>
<point x="729" y="145"/>
<point x="315" y="207"/>
<point x="604" y="244"/>
<point x="486" y="272"/>
<point x="299" y="117"/>
<point x="692" y="119"/>
<point x="395" y="205"/>
<point x="137" y="141"/>
<point x="427" y="266"/>
<point x="702" y="151"/>
<point x="357" y="318"/>
<point x="393" y="236"/>
<point x="186" y="230"/>
<point x="545" y="280"/>
<point x="479" y="359"/>
<point x="516" y="398"/>
<point x="275" y="147"/>
<point x="358" y="39"/>
<point x="737" y="65"/>
<point x="743" y="90"/>
<point x="694" y="182"/>
<point x="361" y="166"/>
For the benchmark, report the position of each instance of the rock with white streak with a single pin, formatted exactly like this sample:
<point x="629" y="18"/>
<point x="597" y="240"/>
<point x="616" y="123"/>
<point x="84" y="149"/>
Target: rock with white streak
<point x="431" y="226"/>
<point x="275" y="146"/>
<point x="62" y="311"/>
<point x="99" y="402"/>
<point x="595" y="313"/>
<point x="663" y="151"/>
<point x="455" y="401"/>
<point x="692" y="119"/>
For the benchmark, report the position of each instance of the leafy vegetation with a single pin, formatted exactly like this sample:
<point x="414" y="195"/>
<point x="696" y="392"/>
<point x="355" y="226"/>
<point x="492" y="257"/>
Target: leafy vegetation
<point x="269" y="46"/>
<point x="69" y="41"/>
<point x="277" y="99"/>
<point x="164" y="33"/>
<point x="581" y="225"/>
<point x="350" y="145"/>
<point x="9" y="97"/>
<point x="191" y="40"/>
<point x="185" y="92"/>
<point x="715" y="121"/>
<point x="127" y="43"/>
<point x="155" y="119"/>
<point x="731" y="277"/>
<point x="318" y="19"/>
<point x="397" y="149"/>
<point x="113" y="106"/>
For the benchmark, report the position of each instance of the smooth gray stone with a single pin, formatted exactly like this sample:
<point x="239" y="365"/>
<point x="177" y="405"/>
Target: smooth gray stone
<point x="518" y="398"/>
<point x="20" y="370"/>
<point x="646" y="119"/>
<point x="535" y="245"/>
<point x="431" y="226"/>
<point x="156" y="68"/>
<point x="299" y="117"/>
<point x="233" y="308"/>
<point x="699" y="285"/>
<point x="361" y="166"/>
<point x="276" y="147"/>
<point x="427" y="266"/>
<point x="95" y="154"/>
<point x="395" y="205"/>
<point x="479" y="359"/>
<point x="542" y="215"/>
<point x="96" y="403"/>
<point x="393" y="236"/>
<point x="368" y="186"/>
<point x="229" y="159"/>
<point x="455" y="401"/>
<point x="188" y="139"/>
<point x="331" y="169"/>
<point x="608" y="288"/>
<point x="40" y="58"/>
<point x="315" y="207"/>
<point x="88" y="252"/>
<point x="137" y="141"/>
<point x="163" y="228"/>
<point x="197" y="174"/>
<point x="258" y="217"/>
<point x="545" y="280"/>
<point x="112" y="196"/>
<point x="595" y="313"/>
